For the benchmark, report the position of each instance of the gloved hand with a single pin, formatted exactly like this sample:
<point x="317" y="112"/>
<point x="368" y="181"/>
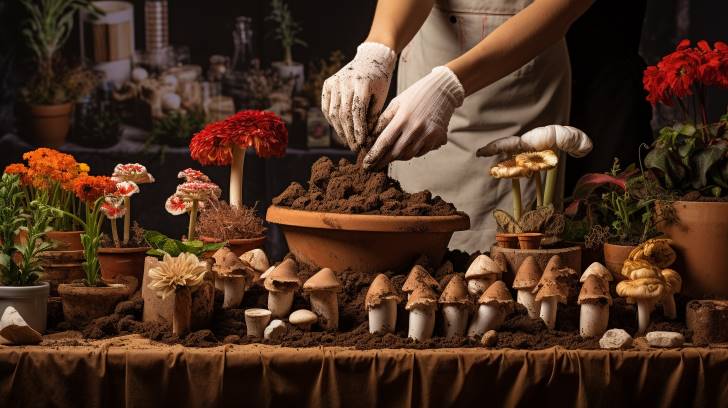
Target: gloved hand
<point x="353" y="97"/>
<point x="416" y="121"/>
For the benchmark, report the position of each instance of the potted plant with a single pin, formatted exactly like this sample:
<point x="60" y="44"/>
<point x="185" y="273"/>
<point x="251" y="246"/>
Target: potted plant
<point x="286" y="31"/>
<point x="20" y="262"/>
<point x="48" y="178"/>
<point x="690" y="159"/>
<point x="125" y="255"/>
<point x="93" y="297"/>
<point x="240" y="227"/>
<point x="52" y="90"/>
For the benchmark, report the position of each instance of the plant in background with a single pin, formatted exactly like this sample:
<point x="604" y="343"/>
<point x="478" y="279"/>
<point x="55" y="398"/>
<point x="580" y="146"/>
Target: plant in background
<point x="692" y="155"/>
<point x="163" y="245"/>
<point x="319" y="73"/>
<point x="48" y="178"/>
<point x="127" y="177"/>
<point x="196" y="191"/>
<point x="96" y="124"/>
<point x="24" y="271"/>
<point x="286" y="30"/>
<point x="176" y="127"/>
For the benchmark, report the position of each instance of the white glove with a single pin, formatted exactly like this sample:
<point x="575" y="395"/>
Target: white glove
<point x="353" y="97"/>
<point x="415" y="122"/>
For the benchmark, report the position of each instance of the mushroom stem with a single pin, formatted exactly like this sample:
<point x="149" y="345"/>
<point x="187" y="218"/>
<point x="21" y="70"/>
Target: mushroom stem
<point x="234" y="292"/>
<point x="456" y="320"/>
<point x="528" y="300"/>
<point x="115" y="233"/>
<point x="236" y="177"/>
<point x="488" y="317"/>
<point x="593" y="319"/>
<point x="383" y="317"/>
<point x="516" y="189"/>
<point x="127" y="219"/>
<point x="476" y="286"/>
<point x="256" y="321"/>
<point x="644" y="309"/>
<point x="279" y="302"/>
<point x="549" y="307"/>
<point x="326" y="306"/>
<point x="668" y="307"/>
<point x="552" y="177"/>
<point x="539" y="189"/>
<point x="193" y="221"/>
<point x="421" y="322"/>
<point x="182" y="314"/>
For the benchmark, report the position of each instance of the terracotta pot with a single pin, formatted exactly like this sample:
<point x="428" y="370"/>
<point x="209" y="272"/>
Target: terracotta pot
<point x="588" y="255"/>
<point x="66" y="240"/>
<point x="530" y="240"/>
<point x="30" y="301"/>
<point x="365" y="243"/>
<point x="239" y="246"/>
<point x="49" y="124"/>
<point x="507" y="240"/>
<point x="700" y="237"/>
<point x="614" y="257"/>
<point x="61" y="267"/>
<point x="81" y="303"/>
<point x="122" y="261"/>
<point x="570" y="256"/>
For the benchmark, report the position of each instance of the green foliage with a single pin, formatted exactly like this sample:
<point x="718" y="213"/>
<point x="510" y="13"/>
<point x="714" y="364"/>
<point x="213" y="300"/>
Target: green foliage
<point x="177" y="128"/>
<point x="161" y="244"/>
<point x="11" y="211"/>
<point x="97" y="124"/>
<point x="286" y="30"/>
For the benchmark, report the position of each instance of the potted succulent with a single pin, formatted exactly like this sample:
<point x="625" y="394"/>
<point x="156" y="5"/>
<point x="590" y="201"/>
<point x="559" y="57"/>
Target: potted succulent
<point x="690" y="159"/>
<point x="224" y="143"/>
<point x="48" y="178"/>
<point x="20" y="262"/>
<point x="92" y="297"/>
<point x="125" y="255"/>
<point x="52" y="90"/>
<point x="286" y="31"/>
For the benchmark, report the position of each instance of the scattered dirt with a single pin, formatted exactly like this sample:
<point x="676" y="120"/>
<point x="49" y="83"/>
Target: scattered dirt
<point x="696" y="196"/>
<point x="348" y="189"/>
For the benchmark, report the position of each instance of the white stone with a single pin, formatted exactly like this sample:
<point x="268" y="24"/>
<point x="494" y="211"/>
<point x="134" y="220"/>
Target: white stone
<point x="14" y="329"/>
<point x="139" y="74"/>
<point x="615" y="339"/>
<point x="665" y="339"/>
<point x="275" y="330"/>
<point x="171" y="101"/>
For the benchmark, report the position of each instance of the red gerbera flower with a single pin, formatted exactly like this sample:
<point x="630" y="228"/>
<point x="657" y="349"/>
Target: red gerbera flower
<point x="90" y="188"/>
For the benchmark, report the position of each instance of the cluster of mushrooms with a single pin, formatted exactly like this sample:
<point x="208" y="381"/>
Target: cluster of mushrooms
<point x="234" y="275"/>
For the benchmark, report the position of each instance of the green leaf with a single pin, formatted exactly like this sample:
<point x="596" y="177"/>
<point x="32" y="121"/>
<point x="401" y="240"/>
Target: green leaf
<point x="704" y="161"/>
<point x="687" y="129"/>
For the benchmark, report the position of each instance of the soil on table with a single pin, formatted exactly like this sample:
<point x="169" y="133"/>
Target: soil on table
<point x="228" y="326"/>
<point x="347" y="188"/>
<point x="696" y="196"/>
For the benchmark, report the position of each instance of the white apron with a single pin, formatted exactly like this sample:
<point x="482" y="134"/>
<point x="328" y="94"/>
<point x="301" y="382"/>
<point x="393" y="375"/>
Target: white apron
<point x="537" y="94"/>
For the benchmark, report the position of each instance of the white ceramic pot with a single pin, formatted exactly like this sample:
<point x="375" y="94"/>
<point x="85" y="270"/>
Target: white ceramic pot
<point x="30" y="301"/>
<point x="294" y="71"/>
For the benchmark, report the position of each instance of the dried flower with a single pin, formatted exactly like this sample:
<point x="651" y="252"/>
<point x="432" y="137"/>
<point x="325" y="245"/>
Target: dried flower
<point x="126" y="188"/>
<point x="134" y="172"/>
<point x="185" y="270"/>
<point x="91" y="188"/>
<point x="192" y="175"/>
<point x="537" y="161"/>
<point x="509" y="169"/>
<point x="175" y="205"/>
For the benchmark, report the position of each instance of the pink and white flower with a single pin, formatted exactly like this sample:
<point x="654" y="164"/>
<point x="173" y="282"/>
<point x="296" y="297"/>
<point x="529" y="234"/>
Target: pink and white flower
<point x="198" y="191"/>
<point x="175" y="205"/>
<point x="193" y="175"/>
<point x="132" y="172"/>
<point x="113" y="207"/>
<point x="126" y="188"/>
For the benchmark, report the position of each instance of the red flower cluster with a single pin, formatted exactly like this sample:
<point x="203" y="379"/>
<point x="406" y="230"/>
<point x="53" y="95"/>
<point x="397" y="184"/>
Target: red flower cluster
<point x="678" y="73"/>
<point x="90" y="188"/>
<point x="262" y="130"/>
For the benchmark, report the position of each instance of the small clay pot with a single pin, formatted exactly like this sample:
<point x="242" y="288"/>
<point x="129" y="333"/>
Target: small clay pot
<point x="239" y="246"/>
<point x="66" y="240"/>
<point x="48" y="125"/>
<point x="507" y="240"/>
<point x="530" y="240"/>
<point x="81" y="303"/>
<point x="614" y="257"/>
<point x="61" y="267"/>
<point x="122" y="261"/>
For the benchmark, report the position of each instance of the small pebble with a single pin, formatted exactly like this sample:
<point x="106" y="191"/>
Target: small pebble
<point x="490" y="338"/>
<point x="231" y="339"/>
<point x="615" y="339"/>
<point x="665" y="339"/>
<point x="275" y="330"/>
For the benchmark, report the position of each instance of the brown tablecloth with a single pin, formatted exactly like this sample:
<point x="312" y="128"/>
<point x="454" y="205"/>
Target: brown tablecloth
<point x="132" y="372"/>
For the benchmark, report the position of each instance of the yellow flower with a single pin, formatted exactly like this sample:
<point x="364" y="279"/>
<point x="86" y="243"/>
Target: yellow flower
<point x="83" y="168"/>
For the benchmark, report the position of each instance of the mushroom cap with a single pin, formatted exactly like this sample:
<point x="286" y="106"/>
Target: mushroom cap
<point x="672" y="280"/>
<point x="456" y="291"/>
<point x="257" y="259"/>
<point x="528" y="274"/>
<point x="642" y="289"/>
<point x="497" y="293"/>
<point x="283" y="277"/>
<point x="566" y="138"/>
<point x="445" y="269"/>
<point x="505" y="145"/>
<point x="302" y="317"/>
<point x="227" y="264"/>
<point x="657" y="251"/>
<point x="421" y="296"/>
<point x="538" y="161"/>
<point x="325" y="279"/>
<point x="639" y="269"/>
<point x="419" y="276"/>
<point x="554" y="262"/>
<point x="220" y="255"/>
<point x="380" y="289"/>
<point x="552" y="289"/>
<point x="593" y="290"/>
<point x="554" y="281"/>
<point x="509" y="169"/>
<point x="483" y="267"/>
<point x="501" y="261"/>
<point x="598" y="270"/>
<point x="266" y="273"/>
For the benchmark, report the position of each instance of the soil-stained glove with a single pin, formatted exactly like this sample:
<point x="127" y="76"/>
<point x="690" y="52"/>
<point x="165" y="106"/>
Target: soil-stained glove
<point x="353" y="97"/>
<point x="415" y="122"/>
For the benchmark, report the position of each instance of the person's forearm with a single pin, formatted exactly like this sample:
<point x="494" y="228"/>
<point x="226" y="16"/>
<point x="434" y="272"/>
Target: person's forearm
<point x="516" y="41"/>
<point x="397" y="21"/>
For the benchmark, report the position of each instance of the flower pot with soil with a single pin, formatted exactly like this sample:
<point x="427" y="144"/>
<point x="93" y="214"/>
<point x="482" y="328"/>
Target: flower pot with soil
<point x="614" y="257"/>
<point x="66" y="240"/>
<point x="48" y="125"/>
<point x="83" y="303"/>
<point x="286" y="31"/>
<point x="61" y="267"/>
<point x="239" y="227"/>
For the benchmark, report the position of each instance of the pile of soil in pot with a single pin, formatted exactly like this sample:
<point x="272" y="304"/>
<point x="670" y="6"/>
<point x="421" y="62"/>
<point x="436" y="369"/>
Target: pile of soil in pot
<point x="347" y="188"/>
<point x="228" y="326"/>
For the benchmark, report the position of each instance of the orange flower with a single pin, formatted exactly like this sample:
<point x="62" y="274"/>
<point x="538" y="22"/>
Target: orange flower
<point x="20" y="170"/>
<point x="48" y="166"/>
<point x="90" y="188"/>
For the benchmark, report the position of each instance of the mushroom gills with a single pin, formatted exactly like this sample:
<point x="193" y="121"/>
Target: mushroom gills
<point x="383" y="317"/>
<point x="488" y="317"/>
<point x="280" y="302"/>
<point x="528" y="299"/>
<point x="593" y="319"/>
<point x="421" y="323"/>
<point x="455" y="320"/>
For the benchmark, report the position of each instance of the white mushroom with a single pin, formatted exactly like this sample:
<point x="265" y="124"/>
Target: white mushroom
<point x="455" y="306"/>
<point x="527" y="277"/>
<point x="494" y="305"/>
<point x="594" y="299"/>
<point x="257" y="260"/>
<point x="673" y="285"/>
<point x="552" y="289"/>
<point x="323" y="288"/>
<point x="303" y="319"/>
<point x="421" y="306"/>
<point x="645" y="292"/>
<point x="281" y="284"/>
<point x="481" y="273"/>
<point x="598" y="270"/>
<point x="233" y="275"/>
<point x="256" y="320"/>
<point x="381" y="305"/>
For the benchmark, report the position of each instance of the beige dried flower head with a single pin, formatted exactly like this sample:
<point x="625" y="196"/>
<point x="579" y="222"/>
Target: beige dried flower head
<point x="185" y="270"/>
<point x="537" y="161"/>
<point x="509" y="169"/>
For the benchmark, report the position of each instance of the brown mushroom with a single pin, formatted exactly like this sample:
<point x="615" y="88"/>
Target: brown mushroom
<point x="232" y="276"/>
<point x="381" y="305"/>
<point x="594" y="299"/>
<point x="673" y="285"/>
<point x="645" y="292"/>
<point x="419" y="276"/>
<point x="656" y="251"/>
<point x="481" y="273"/>
<point x="552" y="289"/>
<point x="303" y="319"/>
<point x="527" y="277"/>
<point x="281" y="284"/>
<point x="421" y="306"/>
<point x="455" y="306"/>
<point x="494" y="305"/>
<point x="258" y="260"/>
<point x="598" y="270"/>
<point x="323" y="287"/>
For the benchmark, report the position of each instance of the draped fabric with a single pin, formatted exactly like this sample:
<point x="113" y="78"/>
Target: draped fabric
<point x="134" y="373"/>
